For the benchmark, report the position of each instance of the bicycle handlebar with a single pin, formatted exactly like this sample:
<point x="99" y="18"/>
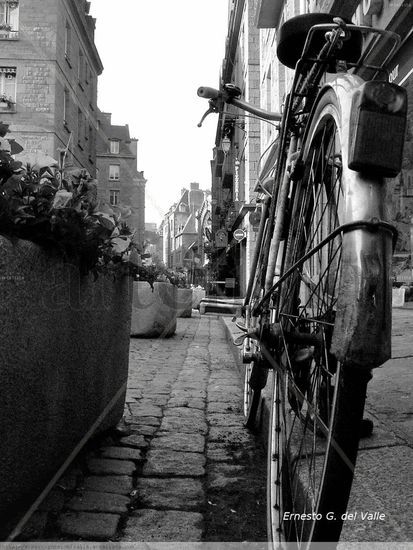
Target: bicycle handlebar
<point x="208" y="93"/>
<point x="230" y="94"/>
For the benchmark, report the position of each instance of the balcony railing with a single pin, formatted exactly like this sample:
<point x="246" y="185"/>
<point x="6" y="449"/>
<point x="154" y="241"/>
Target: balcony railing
<point x="6" y="34"/>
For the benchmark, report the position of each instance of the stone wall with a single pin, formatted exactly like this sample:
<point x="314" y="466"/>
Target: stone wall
<point x="43" y="72"/>
<point x="64" y="344"/>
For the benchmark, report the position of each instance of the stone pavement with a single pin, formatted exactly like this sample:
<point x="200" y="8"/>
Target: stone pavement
<point x="181" y="468"/>
<point x="383" y="479"/>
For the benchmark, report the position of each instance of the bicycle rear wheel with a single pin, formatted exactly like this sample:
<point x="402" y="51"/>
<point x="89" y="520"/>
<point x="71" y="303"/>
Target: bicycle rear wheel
<point x="317" y="403"/>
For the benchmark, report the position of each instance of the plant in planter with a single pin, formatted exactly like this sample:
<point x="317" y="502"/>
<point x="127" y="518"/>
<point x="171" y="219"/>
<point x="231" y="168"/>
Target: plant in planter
<point x="65" y="308"/>
<point x="61" y="215"/>
<point x="6" y="101"/>
<point x="154" y="307"/>
<point x="184" y="295"/>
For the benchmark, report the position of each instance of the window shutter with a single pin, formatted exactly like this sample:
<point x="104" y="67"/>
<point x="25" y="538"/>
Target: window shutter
<point x="14" y="17"/>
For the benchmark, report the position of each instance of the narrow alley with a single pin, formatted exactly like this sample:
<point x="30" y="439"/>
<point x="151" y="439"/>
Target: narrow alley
<point x="181" y="467"/>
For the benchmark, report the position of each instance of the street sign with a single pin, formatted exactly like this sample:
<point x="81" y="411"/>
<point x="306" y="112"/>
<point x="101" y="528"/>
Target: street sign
<point x="239" y="234"/>
<point x="221" y="238"/>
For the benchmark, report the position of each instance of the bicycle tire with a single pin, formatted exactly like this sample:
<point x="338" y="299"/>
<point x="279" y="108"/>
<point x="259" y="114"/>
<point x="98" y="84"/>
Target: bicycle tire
<point x="317" y="403"/>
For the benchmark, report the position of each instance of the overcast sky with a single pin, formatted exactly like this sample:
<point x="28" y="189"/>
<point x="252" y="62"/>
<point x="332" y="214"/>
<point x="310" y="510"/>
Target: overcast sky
<point x="155" y="55"/>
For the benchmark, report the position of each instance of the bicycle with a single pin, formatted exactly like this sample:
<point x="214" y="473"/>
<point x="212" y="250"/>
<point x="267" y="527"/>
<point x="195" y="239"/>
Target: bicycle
<point x="317" y="311"/>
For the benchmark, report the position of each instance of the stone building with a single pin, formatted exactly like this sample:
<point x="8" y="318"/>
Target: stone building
<point x="236" y="153"/>
<point x="180" y="230"/>
<point x="49" y="67"/>
<point x="383" y="14"/>
<point x="245" y="149"/>
<point x="153" y="243"/>
<point x="121" y="185"/>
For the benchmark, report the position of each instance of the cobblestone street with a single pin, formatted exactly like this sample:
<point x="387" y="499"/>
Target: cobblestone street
<point x="182" y="468"/>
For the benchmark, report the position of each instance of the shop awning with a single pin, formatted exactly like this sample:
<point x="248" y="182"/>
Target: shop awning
<point x="267" y="171"/>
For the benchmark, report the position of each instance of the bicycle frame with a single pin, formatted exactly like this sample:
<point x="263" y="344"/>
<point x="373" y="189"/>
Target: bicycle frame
<point x="363" y="318"/>
<point x="361" y="336"/>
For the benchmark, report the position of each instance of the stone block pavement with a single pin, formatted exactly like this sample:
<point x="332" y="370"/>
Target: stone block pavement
<point x="181" y="467"/>
<point x="383" y="481"/>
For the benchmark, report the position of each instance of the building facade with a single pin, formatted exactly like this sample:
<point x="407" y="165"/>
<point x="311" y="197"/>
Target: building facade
<point x="49" y="66"/>
<point x="382" y="14"/>
<point x="180" y="231"/>
<point x="236" y="156"/>
<point x="121" y="185"/>
<point x="153" y="243"/>
<point x="251" y="63"/>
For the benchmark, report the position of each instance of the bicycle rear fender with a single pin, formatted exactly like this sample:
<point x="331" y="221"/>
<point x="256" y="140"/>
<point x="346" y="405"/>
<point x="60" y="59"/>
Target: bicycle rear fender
<point x="362" y="334"/>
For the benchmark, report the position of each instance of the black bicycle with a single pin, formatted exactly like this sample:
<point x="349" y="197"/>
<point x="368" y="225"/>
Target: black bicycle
<point x="317" y="312"/>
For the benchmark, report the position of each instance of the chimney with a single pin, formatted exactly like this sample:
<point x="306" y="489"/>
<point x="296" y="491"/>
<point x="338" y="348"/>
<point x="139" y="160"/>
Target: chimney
<point x="133" y="145"/>
<point x="196" y="197"/>
<point x="106" y="117"/>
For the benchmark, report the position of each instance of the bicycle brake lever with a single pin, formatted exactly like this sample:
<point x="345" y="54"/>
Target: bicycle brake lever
<point x="210" y="110"/>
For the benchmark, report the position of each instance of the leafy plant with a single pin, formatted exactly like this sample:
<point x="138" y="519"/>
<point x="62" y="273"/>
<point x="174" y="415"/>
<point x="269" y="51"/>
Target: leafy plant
<point x="6" y="99"/>
<point x="62" y="215"/>
<point x="155" y="272"/>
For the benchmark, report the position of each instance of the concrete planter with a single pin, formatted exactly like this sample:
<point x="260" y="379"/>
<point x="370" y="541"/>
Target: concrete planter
<point x="198" y="294"/>
<point x="64" y="354"/>
<point x="398" y="296"/>
<point x="184" y="302"/>
<point x="153" y="312"/>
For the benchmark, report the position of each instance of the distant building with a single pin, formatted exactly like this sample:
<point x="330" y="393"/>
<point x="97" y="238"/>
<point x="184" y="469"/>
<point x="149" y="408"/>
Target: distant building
<point x="153" y="243"/>
<point x="120" y="184"/>
<point x="180" y="230"/>
<point x="49" y="67"/>
<point x="202" y="248"/>
<point x="151" y="227"/>
<point x="236" y="155"/>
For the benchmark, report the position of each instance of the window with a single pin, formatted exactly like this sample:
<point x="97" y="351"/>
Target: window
<point x="114" y="171"/>
<point x="114" y="197"/>
<point x="9" y="19"/>
<point x="7" y="88"/>
<point x="80" y="67"/>
<point x="114" y="147"/>
<point x="268" y="85"/>
<point x="80" y="128"/>
<point x="91" y="142"/>
<point x="66" y="107"/>
<point x="68" y="42"/>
